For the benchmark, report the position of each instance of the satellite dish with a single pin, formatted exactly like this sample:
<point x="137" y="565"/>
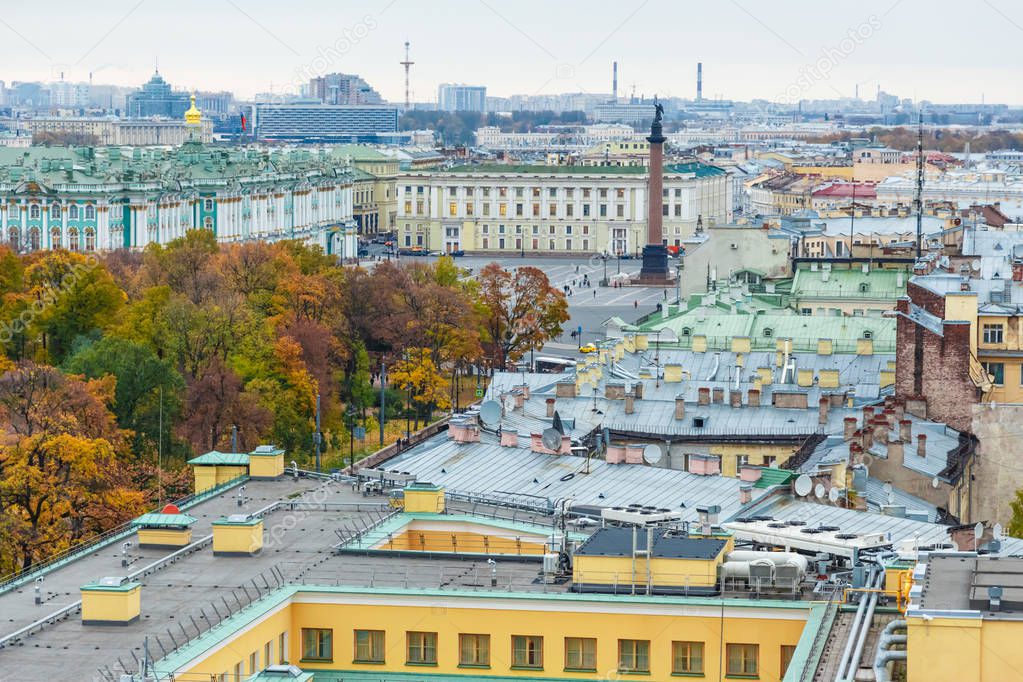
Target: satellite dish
<point x="652" y="454"/>
<point x="978" y="530"/>
<point x="818" y="491"/>
<point x="975" y="266"/>
<point x="803" y="485"/>
<point x="888" y="493"/>
<point x="833" y="495"/>
<point x="551" y="439"/>
<point x="997" y="531"/>
<point x="490" y="413"/>
<point x="935" y="483"/>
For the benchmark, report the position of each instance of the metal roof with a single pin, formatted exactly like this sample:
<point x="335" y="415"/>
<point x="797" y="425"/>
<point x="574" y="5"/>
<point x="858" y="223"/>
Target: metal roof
<point x="215" y="457"/>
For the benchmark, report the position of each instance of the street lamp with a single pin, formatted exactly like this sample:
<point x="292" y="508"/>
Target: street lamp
<point x="351" y="414"/>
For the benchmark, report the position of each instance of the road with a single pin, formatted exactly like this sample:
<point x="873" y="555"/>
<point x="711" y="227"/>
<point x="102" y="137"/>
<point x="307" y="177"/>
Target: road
<point x="585" y="309"/>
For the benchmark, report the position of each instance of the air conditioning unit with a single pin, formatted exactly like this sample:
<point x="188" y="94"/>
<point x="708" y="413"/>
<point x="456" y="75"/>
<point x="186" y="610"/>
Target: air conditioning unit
<point x="734" y="246"/>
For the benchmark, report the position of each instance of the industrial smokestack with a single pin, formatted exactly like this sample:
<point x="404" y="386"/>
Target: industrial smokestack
<point x="614" y="82"/>
<point x="699" y="81"/>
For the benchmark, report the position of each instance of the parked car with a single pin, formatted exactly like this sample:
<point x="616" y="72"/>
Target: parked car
<point x="588" y="348"/>
<point x="457" y="254"/>
<point x="363" y="252"/>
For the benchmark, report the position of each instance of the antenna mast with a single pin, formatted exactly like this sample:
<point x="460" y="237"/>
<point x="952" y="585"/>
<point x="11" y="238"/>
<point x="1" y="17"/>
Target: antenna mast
<point x="919" y="181"/>
<point x="407" y="64"/>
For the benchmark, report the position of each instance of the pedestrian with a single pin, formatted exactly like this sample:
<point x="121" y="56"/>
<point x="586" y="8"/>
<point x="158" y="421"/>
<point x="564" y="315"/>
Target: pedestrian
<point x="577" y="268"/>
<point x="635" y="304"/>
<point x="594" y="294"/>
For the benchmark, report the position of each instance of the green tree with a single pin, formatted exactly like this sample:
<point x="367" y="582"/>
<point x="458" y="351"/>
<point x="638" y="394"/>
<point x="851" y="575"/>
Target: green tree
<point x="1015" y="528"/>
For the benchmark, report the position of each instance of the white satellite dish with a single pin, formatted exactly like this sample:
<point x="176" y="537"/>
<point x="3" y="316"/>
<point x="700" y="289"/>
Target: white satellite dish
<point x="997" y="531"/>
<point x="652" y="454"/>
<point x="490" y="413"/>
<point x="551" y="439"/>
<point x="975" y="265"/>
<point x="833" y="495"/>
<point x="818" y="491"/>
<point x="935" y="483"/>
<point x="978" y="530"/>
<point x="803" y="485"/>
<point x="888" y="494"/>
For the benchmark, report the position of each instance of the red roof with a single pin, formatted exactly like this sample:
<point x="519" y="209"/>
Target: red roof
<point x="848" y="189"/>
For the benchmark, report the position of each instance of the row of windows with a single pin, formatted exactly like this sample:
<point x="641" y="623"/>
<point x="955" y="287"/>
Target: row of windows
<point x="536" y="192"/>
<point x="552" y="244"/>
<point x="527" y="651"/>
<point x="34" y="212"/>
<point x="584" y="229"/>
<point x="74" y="242"/>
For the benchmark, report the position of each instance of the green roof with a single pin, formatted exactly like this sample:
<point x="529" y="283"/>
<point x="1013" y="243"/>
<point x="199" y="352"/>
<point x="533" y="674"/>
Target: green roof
<point x="228" y="521"/>
<point x="266" y="451"/>
<point x="358" y="152"/>
<point x="770" y="477"/>
<point x="158" y="520"/>
<point x="214" y="457"/>
<point x="844" y="283"/>
<point x="126" y="586"/>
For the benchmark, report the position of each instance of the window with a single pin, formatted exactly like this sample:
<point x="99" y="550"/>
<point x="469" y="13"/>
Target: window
<point x="568" y="210"/>
<point x="633" y="655"/>
<point x="996" y="370"/>
<point x="254" y="663"/>
<point x="620" y="211"/>
<point x="552" y="193"/>
<point x="867" y="334"/>
<point x="90" y="240"/>
<point x="73" y="212"/>
<point x="687" y="657"/>
<point x="787" y="652"/>
<point x="993" y="333"/>
<point x="369" y="646"/>
<point x="408" y="207"/>
<point x="741" y="660"/>
<point x="527" y="651"/>
<point x="453" y="208"/>
<point x="207" y="222"/>
<point x="580" y="653"/>
<point x="474" y="650"/>
<point x="864" y="287"/>
<point x="686" y="331"/>
<point x="486" y="209"/>
<point x="54" y="211"/>
<point x="603" y="210"/>
<point x="586" y="210"/>
<point x="207" y="205"/>
<point x="33" y="211"/>
<point x="768" y="332"/>
<point x="422" y="648"/>
<point x="90" y="212"/>
<point x="317" y="644"/>
<point x="806" y="311"/>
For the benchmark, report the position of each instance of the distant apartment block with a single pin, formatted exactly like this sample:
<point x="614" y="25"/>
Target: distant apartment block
<point x="323" y="122"/>
<point x="454" y="97"/>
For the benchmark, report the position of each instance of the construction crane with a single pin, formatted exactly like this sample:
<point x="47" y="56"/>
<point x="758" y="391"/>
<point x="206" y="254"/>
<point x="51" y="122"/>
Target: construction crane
<point x="407" y="64"/>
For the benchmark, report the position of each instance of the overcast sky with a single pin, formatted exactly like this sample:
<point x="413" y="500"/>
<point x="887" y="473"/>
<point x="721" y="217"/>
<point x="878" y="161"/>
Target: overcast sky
<point x="941" y="50"/>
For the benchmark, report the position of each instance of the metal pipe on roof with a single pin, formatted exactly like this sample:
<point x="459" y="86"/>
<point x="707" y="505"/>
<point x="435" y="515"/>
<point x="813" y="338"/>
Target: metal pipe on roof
<point x="713" y="372"/>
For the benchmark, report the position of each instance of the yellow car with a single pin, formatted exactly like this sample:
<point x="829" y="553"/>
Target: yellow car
<point x="588" y="348"/>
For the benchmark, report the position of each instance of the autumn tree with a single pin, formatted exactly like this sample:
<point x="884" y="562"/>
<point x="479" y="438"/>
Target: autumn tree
<point x="417" y="374"/>
<point x="520" y="312"/>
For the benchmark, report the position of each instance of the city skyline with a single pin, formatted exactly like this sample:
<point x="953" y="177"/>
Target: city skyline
<point x="263" y="47"/>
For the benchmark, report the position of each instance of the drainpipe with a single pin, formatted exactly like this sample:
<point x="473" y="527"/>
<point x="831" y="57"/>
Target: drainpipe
<point x="853" y="629"/>
<point x="858" y="633"/>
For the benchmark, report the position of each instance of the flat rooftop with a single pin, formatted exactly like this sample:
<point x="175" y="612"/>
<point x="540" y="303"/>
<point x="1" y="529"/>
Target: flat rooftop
<point x="958" y="583"/>
<point x="618" y="542"/>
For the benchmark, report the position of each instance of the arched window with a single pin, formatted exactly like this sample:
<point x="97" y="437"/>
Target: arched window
<point x="72" y="212"/>
<point x="686" y="331"/>
<point x="90" y="239"/>
<point x="55" y="242"/>
<point x="33" y="211"/>
<point x="90" y="212"/>
<point x="14" y="238"/>
<point x="207" y="222"/>
<point x="54" y="211"/>
<point x="72" y="239"/>
<point x="33" y="239"/>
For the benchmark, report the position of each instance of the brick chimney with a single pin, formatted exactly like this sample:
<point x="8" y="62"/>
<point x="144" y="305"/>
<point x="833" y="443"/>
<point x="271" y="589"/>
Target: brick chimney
<point x="703" y="395"/>
<point x="906" y="431"/>
<point x="509" y="438"/>
<point x="880" y="429"/>
<point x="848" y="428"/>
<point x="718" y="395"/>
<point x="735" y="398"/>
<point x="866" y="436"/>
<point x="921" y="445"/>
<point x="550" y="407"/>
<point x="745" y="493"/>
<point x="638" y="390"/>
<point x="823" y="406"/>
<point x="630" y="405"/>
<point x="753" y="397"/>
<point x="680" y="407"/>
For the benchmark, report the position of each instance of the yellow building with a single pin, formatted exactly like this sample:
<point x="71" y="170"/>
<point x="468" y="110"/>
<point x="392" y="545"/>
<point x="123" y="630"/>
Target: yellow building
<point x="168" y="528"/>
<point x="374" y="192"/>
<point x="111" y="601"/>
<point x="503" y="635"/>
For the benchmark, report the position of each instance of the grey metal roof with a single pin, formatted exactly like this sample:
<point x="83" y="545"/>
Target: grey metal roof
<point x="488" y="469"/>
<point x="618" y="542"/>
<point x="877" y="496"/>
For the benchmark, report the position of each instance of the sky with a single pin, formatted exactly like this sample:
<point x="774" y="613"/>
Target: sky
<point x="783" y="50"/>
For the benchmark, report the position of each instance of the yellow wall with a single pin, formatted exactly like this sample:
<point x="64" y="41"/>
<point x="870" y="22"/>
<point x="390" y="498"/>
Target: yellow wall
<point x="111" y="606"/>
<point x="500" y="618"/>
<point x="164" y="537"/>
<point x="207" y="477"/>
<point x="667" y="572"/>
<point x="755" y="451"/>
<point x="427" y="540"/>
<point x="237" y="538"/>
<point x="266" y="466"/>
<point x="424" y="500"/>
<point x="963" y="649"/>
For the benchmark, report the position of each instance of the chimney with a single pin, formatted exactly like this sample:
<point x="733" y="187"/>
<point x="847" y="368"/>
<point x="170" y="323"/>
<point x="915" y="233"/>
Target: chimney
<point x="520" y="399"/>
<point x="867" y="436"/>
<point x="525" y="390"/>
<point x="703" y="395"/>
<point x="849" y="428"/>
<point x="699" y="81"/>
<point x="906" y="431"/>
<point x="868" y="414"/>
<point x="921" y="445"/>
<point x="823" y="405"/>
<point x="718" y="394"/>
<point x="638" y="390"/>
<point x="745" y="493"/>
<point x="855" y="453"/>
<point x="614" y="82"/>
<point x="509" y="438"/>
<point x="550" y="407"/>
<point x="896" y="451"/>
<point x="880" y="429"/>
<point x="680" y="407"/>
<point x="630" y="406"/>
<point x="753" y="397"/>
<point x="889" y="415"/>
<point x="735" y="398"/>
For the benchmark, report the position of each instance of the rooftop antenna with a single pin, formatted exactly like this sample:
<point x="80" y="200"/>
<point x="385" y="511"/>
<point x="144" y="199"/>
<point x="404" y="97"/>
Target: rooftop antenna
<point x="919" y="181"/>
<point x="407" y="64"/>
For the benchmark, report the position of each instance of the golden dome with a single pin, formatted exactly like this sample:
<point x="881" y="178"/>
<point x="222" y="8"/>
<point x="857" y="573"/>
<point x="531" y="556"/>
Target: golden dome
<point x="193" y="116"/>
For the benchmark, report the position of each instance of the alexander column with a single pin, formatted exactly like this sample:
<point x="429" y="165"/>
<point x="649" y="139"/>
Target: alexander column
<point x="655" y="254"/>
